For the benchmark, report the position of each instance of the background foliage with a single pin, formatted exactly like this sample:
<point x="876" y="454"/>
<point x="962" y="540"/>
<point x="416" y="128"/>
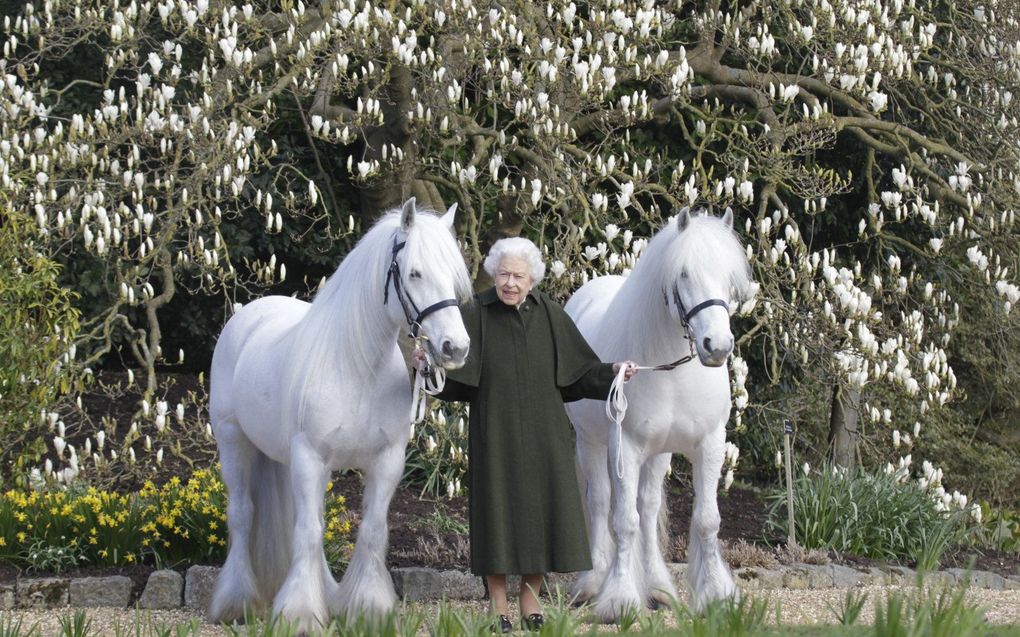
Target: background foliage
<point x="37" y="326"/>
<point x="179" y="157"/>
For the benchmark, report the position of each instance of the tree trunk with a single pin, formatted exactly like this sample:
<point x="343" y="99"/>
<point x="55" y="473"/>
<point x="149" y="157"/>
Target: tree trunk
<point x="843" y="426"/>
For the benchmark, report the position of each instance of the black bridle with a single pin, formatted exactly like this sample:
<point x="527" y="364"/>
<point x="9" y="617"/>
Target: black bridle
<point x="413" y="315"/>
<point x="685" y="320"/>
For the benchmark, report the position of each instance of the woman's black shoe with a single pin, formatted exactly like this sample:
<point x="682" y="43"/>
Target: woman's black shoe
<point x="502" y="625"/>
<point x="532" y="622"/>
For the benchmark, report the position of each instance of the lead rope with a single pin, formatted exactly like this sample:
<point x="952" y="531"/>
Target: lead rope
<point x="616" y="402"/>
<point x="616" y="410"/>
<point x="430" y="380"/>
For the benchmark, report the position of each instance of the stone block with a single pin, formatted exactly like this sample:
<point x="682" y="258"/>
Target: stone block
<point x="978" y="579"/>
<point x="846" y="577"/>
<point x="93" y="592"/>
<point x="939" y="579"/>
<point x="820" y="576"/>
<point x="7" y="596"/>
<point x="416" y="583"/>
<point x="41" y="593"/>
<point x="898" y="576"/>
<point x="461" y="585"/>
<point x="199" y="582"/>
<point x="797" y="577"/>
<point x="163" y="590"/>
<point x="757" y="578"/>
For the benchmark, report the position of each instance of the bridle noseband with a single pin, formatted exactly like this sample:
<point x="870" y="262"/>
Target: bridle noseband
<point x="685" y="320"/>
<point x="413" y="315"/>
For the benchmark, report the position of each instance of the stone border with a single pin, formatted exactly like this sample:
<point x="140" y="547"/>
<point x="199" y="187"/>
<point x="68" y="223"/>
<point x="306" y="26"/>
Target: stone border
<point x="168" y="589"/>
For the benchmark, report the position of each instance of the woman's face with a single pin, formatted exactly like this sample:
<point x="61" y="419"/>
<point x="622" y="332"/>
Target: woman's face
<point x="513" y="280"/>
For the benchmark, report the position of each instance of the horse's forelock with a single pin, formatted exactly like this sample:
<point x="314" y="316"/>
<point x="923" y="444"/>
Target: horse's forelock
<point x="706" y="249"/>
<point x="430" y="242"/>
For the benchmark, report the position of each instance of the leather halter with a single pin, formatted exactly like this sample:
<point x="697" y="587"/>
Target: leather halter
<point x="413" y="315"/>
<point x="685" y="320"/>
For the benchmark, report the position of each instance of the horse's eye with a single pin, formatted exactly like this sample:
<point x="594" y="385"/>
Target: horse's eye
<point x="683" y="274"/>
<point x="415" y="274"/>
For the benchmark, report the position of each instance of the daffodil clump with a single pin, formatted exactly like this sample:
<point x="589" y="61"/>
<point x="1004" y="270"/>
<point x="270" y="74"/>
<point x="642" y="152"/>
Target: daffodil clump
<point x="180" y="521"/>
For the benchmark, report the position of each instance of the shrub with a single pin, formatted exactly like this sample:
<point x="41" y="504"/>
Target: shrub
<point x="878" y="515"/>
<point x="37" y="325"/>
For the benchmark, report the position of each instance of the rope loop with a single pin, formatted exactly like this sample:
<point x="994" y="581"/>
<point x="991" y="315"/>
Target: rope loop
<point x="616" y="411"/>
<point x="430" y="380"/>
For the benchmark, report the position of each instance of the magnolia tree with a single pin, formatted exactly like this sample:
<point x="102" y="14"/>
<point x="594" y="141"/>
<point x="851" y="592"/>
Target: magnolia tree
<point x="868" y="146"/>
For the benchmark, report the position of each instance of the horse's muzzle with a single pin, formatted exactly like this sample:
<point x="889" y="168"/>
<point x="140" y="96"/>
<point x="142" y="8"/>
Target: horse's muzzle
<point x="712" y="356"/>
<point x="451" y="355"/>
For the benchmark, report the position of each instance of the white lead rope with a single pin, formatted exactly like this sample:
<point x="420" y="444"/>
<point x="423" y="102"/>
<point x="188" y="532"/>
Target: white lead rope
<point x="430" y="381"/>
<point x="616" y="410"/>
<point x="616" y="403"/>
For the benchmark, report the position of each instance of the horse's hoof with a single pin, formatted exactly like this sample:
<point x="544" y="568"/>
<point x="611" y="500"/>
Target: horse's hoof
<point x="610" y="611"/>
<point x="660" y="598"/>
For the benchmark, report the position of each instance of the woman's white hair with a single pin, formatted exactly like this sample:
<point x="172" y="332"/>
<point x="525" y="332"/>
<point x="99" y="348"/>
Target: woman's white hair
<point x="520" y="248"/>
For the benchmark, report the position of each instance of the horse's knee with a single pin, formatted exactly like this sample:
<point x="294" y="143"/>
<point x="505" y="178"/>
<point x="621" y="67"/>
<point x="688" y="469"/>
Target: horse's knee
<point x="705" y="522"/>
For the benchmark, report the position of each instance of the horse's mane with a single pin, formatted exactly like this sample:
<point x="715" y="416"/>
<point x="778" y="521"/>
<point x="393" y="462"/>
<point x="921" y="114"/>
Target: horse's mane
<point x="345" y="327"/>
<point x="707" y="248"/>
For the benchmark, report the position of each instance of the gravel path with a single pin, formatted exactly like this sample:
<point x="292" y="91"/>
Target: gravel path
<point x="797" y="607"/>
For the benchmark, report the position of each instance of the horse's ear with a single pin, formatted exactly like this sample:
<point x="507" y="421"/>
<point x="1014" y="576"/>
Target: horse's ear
<point x="407" y="215"/>
<point x="727" y="217"/>
<point x="683" y="218"/>
<point x="450" y="214"/>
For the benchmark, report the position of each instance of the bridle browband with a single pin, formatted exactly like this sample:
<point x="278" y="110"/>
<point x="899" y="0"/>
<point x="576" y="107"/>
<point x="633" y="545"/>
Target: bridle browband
<point x="406" y="302"/>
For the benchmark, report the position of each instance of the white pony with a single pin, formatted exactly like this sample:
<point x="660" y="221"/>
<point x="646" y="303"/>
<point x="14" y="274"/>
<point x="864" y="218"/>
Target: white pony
<point x="298" y="390"/>
<point x="672" y="306"/>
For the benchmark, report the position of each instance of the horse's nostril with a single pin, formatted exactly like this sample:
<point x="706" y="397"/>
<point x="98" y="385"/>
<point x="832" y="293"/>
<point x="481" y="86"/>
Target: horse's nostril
<point x="707" y="344"/>
<point x="447" y="349"/>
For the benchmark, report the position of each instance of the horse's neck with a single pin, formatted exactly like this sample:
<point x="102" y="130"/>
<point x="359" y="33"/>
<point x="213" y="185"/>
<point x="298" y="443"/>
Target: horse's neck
<point x="642" y="327"/>
<point x="348" y="333"/>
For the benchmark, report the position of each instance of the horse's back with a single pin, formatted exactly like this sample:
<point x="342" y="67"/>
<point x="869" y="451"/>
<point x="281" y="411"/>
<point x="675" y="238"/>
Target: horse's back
<point x="255" y="326"/>
<point x="589" y="304"/>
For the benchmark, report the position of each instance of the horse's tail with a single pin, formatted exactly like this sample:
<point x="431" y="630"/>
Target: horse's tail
<point x="272" y="524"/>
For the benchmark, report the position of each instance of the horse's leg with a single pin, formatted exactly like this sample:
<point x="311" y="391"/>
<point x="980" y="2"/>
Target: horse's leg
<point x="591" y="458"/>
<point x="657" y="576"/>
<point x="621" y="590"/>
<point x="707" y="574"/>
<point x="235" y="586"/>
<point x="367" y="586"/>
<point x="301" y="599"/>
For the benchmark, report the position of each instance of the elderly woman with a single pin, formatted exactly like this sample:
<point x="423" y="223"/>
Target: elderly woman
<point x="527" y="358"/>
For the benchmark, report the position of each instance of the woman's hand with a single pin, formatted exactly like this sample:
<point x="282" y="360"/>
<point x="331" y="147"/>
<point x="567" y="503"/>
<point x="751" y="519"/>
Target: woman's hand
<point x="419" y="360"/>
<point x="631" y="366"/>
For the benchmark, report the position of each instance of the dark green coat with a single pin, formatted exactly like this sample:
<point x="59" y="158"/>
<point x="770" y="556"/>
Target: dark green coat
<point x="525" y="508"/>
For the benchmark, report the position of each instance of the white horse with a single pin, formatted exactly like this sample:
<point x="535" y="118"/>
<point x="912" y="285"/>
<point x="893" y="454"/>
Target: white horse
<point x="695" y="262"/>
<point x="298" y="390"/>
